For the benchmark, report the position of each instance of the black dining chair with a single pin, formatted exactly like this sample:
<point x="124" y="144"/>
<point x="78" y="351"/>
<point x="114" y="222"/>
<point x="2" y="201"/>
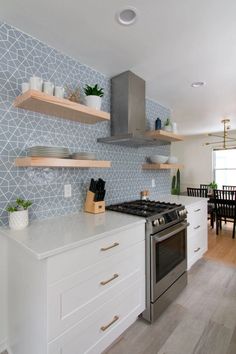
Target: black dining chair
<point x="202" y="193"/>
<point x="197" y="192"/>
<point x="225" y="208"/>
<point x="204" y="186"/>
<point x="229" y="188"/>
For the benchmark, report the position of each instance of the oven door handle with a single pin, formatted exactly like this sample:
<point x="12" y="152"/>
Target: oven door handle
<point x="165" y="236"/>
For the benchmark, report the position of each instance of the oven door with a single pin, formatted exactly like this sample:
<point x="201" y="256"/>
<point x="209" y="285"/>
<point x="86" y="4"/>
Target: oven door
<point x="168" y="258"/>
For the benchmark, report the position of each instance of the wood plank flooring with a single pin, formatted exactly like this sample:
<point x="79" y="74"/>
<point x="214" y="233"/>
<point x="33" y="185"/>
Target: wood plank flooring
<point x="202" y="320"/>
<point x="222" y="247"/>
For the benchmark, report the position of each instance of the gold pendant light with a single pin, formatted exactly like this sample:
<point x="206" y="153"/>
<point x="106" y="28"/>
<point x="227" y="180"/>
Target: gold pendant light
<point x="226" y="139"/>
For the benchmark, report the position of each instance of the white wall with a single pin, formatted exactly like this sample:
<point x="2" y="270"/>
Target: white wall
<point x="197" y="160"/>
<point x="3" y="292"/>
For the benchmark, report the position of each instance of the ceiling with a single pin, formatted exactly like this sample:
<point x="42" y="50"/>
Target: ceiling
<point x="172" y="44"/>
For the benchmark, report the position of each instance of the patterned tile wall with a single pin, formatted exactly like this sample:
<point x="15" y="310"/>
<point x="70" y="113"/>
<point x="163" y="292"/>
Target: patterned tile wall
<point x="22" y="56"/>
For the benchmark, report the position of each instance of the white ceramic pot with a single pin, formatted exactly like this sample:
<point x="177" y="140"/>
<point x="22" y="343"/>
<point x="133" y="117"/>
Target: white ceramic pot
<point x="168" y="128"/>
<point x="93" y="101"/>
<point x="18" y="219"/>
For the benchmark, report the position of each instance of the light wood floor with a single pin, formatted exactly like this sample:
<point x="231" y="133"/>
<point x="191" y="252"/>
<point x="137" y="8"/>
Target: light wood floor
<point x="202" y="320"/>
<point x="222" y="247"/>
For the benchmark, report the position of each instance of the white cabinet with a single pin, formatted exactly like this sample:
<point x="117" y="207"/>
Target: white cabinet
<point x="197" y="231"/>
<point x="78" y="301"/>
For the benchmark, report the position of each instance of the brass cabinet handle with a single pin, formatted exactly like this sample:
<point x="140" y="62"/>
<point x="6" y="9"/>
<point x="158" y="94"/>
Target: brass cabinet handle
<point x="104" y="282"/>
<point x="197" y="210"/>
<point x="197" y="227"/>
<point x="109" y="247"/>
<point x="104" y="328"/>
<point x="197" y="249"/>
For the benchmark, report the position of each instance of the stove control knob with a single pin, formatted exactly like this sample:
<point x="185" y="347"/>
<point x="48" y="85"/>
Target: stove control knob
<point x="183" y="213"/>
<point x="155" y="222"/>
<point x="162" y="221"/>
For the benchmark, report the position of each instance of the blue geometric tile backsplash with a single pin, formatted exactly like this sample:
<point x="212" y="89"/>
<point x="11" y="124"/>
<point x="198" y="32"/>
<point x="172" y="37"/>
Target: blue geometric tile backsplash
<point x="22" y="56"/>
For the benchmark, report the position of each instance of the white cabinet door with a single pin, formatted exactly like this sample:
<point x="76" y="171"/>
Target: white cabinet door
<point x="197" y="232"/>
<point x="73" y="298"/>
<point x="99" y="329"/>
<point x="197" y="246"/>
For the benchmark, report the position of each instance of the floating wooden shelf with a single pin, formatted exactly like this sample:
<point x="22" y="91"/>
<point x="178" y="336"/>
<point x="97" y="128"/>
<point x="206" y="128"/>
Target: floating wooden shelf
<point x="161" y="166"/>
<point x="54" y="162"/>
<point x="164" y="135"/>
<point x="60" y="107"/>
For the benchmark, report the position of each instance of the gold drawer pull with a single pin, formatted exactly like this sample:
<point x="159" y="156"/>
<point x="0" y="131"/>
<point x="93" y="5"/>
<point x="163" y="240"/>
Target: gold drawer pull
<point x="104" y="328"/>
<point x="104" y="282"/>
<point x="109" y="247"/>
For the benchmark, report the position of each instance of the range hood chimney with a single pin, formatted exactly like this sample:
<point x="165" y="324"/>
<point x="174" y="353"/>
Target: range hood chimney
<point x="128" y="119"/>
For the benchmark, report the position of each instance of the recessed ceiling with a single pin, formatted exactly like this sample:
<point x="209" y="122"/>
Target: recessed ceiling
<point x="171" y="45"/>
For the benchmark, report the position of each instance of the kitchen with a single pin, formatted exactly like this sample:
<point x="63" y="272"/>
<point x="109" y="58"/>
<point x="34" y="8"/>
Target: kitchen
<point x="56" y="252"/>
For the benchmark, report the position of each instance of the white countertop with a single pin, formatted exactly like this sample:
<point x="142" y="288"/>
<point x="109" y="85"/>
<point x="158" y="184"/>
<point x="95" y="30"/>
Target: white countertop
<point x="45" y="238"/>
<point x="180" y="199"/>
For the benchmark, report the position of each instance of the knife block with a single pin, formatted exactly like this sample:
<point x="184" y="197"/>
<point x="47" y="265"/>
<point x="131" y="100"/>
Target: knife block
<point x="93" y="207"/>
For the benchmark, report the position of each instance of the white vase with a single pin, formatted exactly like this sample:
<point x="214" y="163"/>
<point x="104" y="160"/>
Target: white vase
<point x="93" y="101"/>
<point x="18" y="219"/>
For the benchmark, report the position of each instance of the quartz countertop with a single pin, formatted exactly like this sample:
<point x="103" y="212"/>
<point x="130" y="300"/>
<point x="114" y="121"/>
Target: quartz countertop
<point x="45" y="238"/>
<point x="180" y="199"/>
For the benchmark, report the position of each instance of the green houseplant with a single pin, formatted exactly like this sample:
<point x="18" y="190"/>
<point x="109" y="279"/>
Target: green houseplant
<point x="175" y="187"/>
<point x="94" y="96"/>
<point x="213" y="185"/>
<point x="168" y="125"/>
<point x="18" y="214"/>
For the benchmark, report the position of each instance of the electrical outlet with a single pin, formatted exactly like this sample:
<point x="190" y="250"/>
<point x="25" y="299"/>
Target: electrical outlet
<point x="153" y="183"/>
<point x="67" y="190"/>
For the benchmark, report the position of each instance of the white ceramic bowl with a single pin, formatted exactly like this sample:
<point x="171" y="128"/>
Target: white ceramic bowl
<point x="158" y="159"/>
<point x="172" y="159"/>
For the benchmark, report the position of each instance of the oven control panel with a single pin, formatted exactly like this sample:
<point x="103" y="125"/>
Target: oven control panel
<point x="170" y="217"/>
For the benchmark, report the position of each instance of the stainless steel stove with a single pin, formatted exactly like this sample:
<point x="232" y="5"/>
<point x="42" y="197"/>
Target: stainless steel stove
<point x="166" y="251"/>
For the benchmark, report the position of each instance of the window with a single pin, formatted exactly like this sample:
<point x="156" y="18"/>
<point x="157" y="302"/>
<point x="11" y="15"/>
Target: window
<point x="224" y="164"/>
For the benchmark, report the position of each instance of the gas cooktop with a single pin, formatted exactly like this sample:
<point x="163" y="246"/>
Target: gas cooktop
<point x="158" y="214"/>
<point x="145" y="208"/>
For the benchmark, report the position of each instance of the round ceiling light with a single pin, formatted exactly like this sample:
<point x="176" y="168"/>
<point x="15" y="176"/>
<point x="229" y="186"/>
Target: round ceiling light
<point x="198" y="84"/>
<point x="127" y="16"/>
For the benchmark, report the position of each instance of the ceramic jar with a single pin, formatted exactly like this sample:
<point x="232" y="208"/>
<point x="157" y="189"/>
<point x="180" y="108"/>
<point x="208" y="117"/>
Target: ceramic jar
<point x="18" y="220"/>
<point x="93" y="101"/>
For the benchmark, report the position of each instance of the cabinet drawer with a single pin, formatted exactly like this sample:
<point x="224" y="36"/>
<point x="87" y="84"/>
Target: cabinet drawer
<point x="197" y="217"/>
<point x="65" y="264"/>
<point x="102" y="327"/>
<point x="197" y="246"/>
<point x="71" y="299"/>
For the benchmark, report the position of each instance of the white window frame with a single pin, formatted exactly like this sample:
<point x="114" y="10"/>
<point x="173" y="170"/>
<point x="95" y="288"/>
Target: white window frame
<point x="214" y="163"/>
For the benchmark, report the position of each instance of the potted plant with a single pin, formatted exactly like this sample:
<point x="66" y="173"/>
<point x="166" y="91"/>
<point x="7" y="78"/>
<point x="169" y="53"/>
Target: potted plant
<point x="168" y="125"/>
<point x="18" y="214"/>
<point x="213" y="185"/>
<point x="94" y="96"/>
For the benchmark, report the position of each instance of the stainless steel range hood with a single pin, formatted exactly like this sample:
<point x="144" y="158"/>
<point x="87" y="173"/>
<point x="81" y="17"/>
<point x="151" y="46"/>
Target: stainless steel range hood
<point x="128" y="119"/>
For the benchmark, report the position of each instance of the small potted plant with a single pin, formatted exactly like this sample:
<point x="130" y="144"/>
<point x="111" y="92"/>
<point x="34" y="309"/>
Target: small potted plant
<point x="18" y="214"/>
<point x="94" y="96"/>
<point x="213" y="185"/>
<point x="168" y="125"/>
